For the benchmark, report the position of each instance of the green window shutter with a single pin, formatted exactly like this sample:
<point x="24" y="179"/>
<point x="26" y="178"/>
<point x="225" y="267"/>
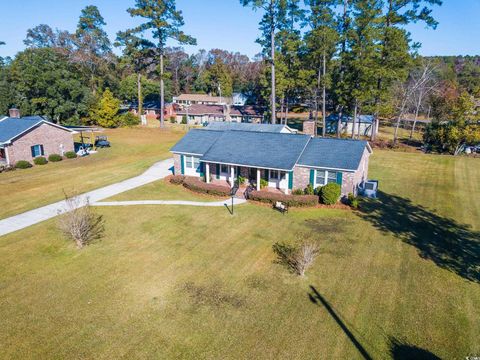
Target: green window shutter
<point x="182" y="161"/>
<point x="32" y="148"/>
<point x="218" y="171"/>
<point x="339" y="178"/>
<point x="202" y="169"/>
<point x="290" y="180"/>
<point x="238" y="171"/>
<point x="266" y="174"/>
<point x="312" y="177"/>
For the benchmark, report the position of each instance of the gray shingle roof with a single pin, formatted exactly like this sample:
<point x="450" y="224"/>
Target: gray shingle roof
<point x="197" y="141"/>
<point x="12" y="127"/>
<point x="223" y="126"/>
<point x="333" y="153"/>
<point x="257" y="149"/>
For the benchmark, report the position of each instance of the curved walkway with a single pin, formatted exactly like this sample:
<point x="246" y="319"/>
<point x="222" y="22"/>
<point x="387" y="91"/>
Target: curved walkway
<point x="156" y="172"/>
<point x="171" y="202"/>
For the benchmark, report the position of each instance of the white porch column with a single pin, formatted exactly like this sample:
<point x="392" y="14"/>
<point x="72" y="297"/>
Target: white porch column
<point x="207" y="172"/>
<point x="258" y="179"/>
<point x="287" y="177"/>
<point x="232" y="176"/>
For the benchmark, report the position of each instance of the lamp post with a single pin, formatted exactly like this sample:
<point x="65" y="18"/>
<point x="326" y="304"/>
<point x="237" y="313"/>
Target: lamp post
<point x="232" y="194"/>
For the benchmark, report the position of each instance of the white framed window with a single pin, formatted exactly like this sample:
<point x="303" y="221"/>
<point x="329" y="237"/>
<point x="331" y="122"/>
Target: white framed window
<point x="331" y="177"/>
<point x="325" y="177"/>
<point x="274" y="174"/>
<point x="321" y="176"/>
<point x="192" y="162"/>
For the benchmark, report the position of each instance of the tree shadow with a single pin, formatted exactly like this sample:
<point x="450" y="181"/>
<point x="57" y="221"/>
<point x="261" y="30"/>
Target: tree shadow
<point x="403" y="351"/>
<point x="449" y="244"/>
<point x="316" y="298"/>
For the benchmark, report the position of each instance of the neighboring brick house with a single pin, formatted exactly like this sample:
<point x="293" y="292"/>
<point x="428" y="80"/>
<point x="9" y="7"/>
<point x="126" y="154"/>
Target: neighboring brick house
<point x="285" y="161"/>
<point x="151" y="109"/>
<point x="198" y="114"/>
<point x="29" y="137"/>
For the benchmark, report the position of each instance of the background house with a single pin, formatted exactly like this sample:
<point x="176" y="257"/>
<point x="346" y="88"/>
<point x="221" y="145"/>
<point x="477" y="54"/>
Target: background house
<point x="29" y="137"/>
<point x="198" y="114"/>
<point x="201" y="99"/>
<point x="363" y="123"/>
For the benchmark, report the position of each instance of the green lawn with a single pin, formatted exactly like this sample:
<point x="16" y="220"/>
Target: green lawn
<point x="399" y="278"/>
<point x="162" y="190"/>
<point x="133" y="151"/>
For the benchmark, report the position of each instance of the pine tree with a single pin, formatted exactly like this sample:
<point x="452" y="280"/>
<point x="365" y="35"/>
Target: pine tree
<point x="164" y="21"/>
<point x="105" y="112"/>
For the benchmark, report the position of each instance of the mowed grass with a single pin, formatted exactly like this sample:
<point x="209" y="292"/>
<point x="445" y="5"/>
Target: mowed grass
<point x="162" y="190"/>
<point x="133" y="151"/>
<point x="399" y="278"/>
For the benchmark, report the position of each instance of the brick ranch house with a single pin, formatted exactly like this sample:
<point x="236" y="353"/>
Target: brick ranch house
<point x="32" y="136"/>
<point x="285" y="161"/>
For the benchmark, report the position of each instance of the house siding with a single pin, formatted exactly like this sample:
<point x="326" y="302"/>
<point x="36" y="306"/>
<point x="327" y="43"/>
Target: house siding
<point x="51" y="137"/>
<point x="301" y="177"/>
<point x="177" y="165"/>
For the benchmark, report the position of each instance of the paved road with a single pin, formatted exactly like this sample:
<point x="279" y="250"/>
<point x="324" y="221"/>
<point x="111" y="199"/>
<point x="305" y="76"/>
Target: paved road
<point x="26" y="219"/>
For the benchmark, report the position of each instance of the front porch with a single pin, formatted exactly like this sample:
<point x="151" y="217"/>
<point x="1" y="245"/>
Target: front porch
<point x="256" y="178"/>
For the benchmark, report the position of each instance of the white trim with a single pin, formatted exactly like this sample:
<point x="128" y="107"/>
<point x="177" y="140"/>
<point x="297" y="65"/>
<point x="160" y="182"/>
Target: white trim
<point x="5" y="117"/>
<point x="326" y="168"/>
<point x="40" y="122"/>
<point x="326" y="172"/>
<point x="243" y="165"/>
<point x="186" y="153"/>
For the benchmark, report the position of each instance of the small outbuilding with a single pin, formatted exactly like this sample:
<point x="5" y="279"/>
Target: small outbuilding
<point x="25" y="138"/>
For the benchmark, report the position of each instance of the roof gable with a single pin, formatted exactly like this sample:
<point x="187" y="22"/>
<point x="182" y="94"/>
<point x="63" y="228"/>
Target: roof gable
<point x="11" y="128"/>
<point x="257" y="149"/>
<point x="333" y="153"/>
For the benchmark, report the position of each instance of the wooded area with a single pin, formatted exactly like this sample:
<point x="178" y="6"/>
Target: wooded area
<point x="348" y="57"/>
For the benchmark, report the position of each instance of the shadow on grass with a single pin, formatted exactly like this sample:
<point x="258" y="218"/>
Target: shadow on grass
<point x="316" y="298"/>
<point x="402" y="351"/>
<point x="449" y="244"/>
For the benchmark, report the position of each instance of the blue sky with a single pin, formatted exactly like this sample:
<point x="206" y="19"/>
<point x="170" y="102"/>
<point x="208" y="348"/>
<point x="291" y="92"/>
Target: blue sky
<point x="225" y="24"/>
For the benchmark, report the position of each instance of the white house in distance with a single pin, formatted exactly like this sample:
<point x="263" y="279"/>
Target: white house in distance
<point x="202" y="99"/>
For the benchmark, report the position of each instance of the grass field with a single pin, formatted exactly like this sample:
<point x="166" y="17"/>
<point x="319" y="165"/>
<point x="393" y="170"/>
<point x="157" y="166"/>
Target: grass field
<point x="132" y="152"/>
<point x="401" y="277"/>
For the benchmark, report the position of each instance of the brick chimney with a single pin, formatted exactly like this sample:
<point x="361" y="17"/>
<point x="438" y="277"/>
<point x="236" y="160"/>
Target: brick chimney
<point x="14" y="113"/>
<point x="309" y="127"/>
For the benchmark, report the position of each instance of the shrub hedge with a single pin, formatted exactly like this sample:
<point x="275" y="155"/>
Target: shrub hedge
<point x="54" y="158"/>
<point x="195" y="184"/>
<point x="40" y="160"/>
<point x="330" y="193"/>
<point x="290" y="200"/>
<point x="70" y="154"/>
<point x="23" y="164"/>
<point x="177" y="179"/>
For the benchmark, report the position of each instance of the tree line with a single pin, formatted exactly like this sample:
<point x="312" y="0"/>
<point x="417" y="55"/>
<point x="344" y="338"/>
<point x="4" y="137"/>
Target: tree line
<point x="346" y="57"/>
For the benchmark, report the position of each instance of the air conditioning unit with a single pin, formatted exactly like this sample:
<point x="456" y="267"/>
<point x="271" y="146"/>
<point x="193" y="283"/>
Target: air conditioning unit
<point x="369" y="188"/>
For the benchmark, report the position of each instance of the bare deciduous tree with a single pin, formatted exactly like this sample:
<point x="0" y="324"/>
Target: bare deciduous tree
<point x="79" y="222"/>
<point x="297" y="258"/>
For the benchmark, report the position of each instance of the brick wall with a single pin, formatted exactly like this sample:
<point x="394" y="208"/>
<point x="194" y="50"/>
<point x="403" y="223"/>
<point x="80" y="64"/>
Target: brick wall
<point x="309" y="127"/>
<point x="177" y="165"/>
<point x="47" y="135"/>
<point x="301" y="177"/>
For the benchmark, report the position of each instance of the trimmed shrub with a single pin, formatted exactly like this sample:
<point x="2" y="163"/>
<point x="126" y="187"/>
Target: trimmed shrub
<point x="40" y="160"/>
<point x="54" y="158"/>
<point x="173" y="120"/>
<point x="177" y="179"/>
<point x="263" y="183"/>
<point x="297" y="192"/>
<point x="330" y="193"/>
<point x="309" y="190"/>
<point x="195" y="184"/>
<point x="128" y="119"/>
<point x="318" y="190"/>
<point x="353" y="201"/>
<point x="241" y="180"/>
<point x="184" y="119"/>
<point x="70" y="154"/>
<point x="23" y="164"/>
<point x="290" y="200"/>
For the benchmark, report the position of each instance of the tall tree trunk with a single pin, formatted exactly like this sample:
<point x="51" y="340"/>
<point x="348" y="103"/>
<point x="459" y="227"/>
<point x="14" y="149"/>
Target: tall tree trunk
<point x="324" y="98"/>
<point x="286" y="112"/>
<point x="140" y="100"/>
<point x="272" y="45"/>
<point x="339" y="122"/>
<point x="354" y="118"/>
<point x="416" y="115"/>
<point x="162" y="92"/>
